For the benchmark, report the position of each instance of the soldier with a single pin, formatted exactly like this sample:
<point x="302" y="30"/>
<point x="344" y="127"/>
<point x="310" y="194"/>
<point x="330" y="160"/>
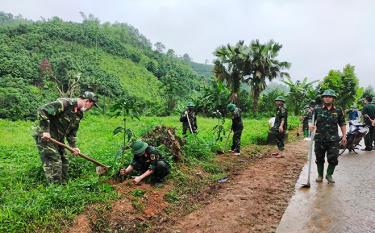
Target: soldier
<point x="280" y="126"/>
<point x="189" y="119"/>
<point x="147" y="161"/>
<point x="237" y="127"/>
<point x="368" y="115"/>
<point x="59" y="120"/>
<point x="305" y="118"/>
<point x="327" y="141"/>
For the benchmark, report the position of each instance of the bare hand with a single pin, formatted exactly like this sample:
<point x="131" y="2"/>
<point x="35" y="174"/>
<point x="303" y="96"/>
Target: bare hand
<point x="343" y="141"/>
<point x="186" y="113"/>
<point x="281" y="129"/>
<point x="137" y="179"/>
<point x="46" y="136"/>
<point x="312" y="128"/>
<point x="76" y="151"/>
<point x="123" y="171"/>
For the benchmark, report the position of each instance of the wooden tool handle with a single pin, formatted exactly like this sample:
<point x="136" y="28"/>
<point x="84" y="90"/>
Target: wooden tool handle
<point x="80" y="154"/>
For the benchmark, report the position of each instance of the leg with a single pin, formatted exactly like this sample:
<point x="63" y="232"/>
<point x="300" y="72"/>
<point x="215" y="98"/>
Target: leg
<point x="320" y="151"/>
<point x="369" y="139"/>
<point x="332" y="155"/>
<point x="65" y="167"/>
<point x="237" y="140"/>
<point x="161" y="171"/>
<point x="51" y="161"/>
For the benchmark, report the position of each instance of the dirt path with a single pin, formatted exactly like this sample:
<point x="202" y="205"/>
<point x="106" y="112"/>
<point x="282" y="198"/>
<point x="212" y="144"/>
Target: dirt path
<point x="253" y="200"/>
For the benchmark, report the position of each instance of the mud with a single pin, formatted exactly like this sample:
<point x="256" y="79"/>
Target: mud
<point x="251" y="201"/>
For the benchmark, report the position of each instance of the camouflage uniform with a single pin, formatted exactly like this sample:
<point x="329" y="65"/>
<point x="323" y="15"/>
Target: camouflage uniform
<point x="185" y="123"/>
<point x="369" y="110"/>
<point x="237" y="127"/>
<point x="281" y="114"/>
<point x="59" y="119"/>
<point x="152" y="160"/>
<point x="327" y="140"/>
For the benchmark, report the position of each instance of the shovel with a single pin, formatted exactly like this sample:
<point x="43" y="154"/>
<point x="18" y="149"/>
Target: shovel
<point x="191" y="129"/>
<point x="310" y="152"/>
<point x="100" y="169"/>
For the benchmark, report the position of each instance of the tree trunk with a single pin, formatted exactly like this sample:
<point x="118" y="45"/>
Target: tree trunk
<point x="256" y="93"/>
<point x="234" y="97"/>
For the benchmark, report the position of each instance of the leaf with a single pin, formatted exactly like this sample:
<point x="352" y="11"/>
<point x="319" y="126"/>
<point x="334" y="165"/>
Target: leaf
<point x="118" y="130"/>
<point x="129" y="133"/>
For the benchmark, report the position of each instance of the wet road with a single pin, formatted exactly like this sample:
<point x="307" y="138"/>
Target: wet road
<point x="346" y="206"/>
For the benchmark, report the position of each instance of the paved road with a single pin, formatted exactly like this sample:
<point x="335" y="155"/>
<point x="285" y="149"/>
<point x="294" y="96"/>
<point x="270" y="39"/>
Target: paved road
<point x="346" y="206"/>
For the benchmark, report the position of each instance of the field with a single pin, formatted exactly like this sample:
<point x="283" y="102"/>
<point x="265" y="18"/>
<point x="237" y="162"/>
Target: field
<point x="29" y="205"/>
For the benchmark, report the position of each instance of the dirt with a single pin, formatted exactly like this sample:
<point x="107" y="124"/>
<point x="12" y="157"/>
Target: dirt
<point x="253" y="199"/>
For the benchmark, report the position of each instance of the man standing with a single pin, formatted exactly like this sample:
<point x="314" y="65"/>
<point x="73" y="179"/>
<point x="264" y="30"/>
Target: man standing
<point x="237" y="127"/>
<point x="189" y="120"/>
<point x="369" y="116"/>
<point x="148" y="162"/>
<point x="59" y="120"/>
<point x="327" y="141"/>
<point x="281" y="124"/>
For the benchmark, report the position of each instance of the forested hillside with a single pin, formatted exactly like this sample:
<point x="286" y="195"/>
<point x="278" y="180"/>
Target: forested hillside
<point x="42" y="60"/>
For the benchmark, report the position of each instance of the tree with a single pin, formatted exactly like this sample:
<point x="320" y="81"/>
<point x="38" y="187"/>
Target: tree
<point x="159" y="47"/>
<point x="300" y="94"/>
<point x="344" y="83"/>
<point x="262" y="66"/>
<point x="186" y="57"/>
<point x="229" y="66"/>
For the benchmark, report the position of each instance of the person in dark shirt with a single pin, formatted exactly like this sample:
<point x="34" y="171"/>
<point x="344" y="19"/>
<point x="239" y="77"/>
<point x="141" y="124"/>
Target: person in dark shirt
<point x="280" y="126"/>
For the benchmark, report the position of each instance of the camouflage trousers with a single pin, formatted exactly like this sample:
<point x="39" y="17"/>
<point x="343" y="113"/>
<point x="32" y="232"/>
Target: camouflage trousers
<point x="369" y="138"/>
<point x="54" y="160"/>
<point x="277" y="138"/>
<point x="329" y="148"/>
<point x="236" y="141"/>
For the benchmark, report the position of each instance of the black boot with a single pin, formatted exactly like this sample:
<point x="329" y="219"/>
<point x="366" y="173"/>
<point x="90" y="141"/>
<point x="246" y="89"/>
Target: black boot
<point x="320" y="172"/>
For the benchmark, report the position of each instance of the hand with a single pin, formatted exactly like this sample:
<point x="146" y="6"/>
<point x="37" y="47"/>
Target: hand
<point x="46" y="136"/>
<point x="343" y="141"/>
<point x="281" y="129"/>
<point x="137" y="179"/>
<point x="76" y="151"/>
<point x="123" y="171"/>
<point x="312" y="128"/>
<point x="186" y="113"/>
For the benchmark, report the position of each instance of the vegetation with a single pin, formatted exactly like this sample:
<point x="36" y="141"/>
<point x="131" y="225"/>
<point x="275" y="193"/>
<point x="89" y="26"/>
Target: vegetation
<point x="27" y="203"/>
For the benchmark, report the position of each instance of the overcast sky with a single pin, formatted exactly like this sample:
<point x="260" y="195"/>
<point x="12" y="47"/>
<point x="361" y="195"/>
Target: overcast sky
<point x="316" y="35"/>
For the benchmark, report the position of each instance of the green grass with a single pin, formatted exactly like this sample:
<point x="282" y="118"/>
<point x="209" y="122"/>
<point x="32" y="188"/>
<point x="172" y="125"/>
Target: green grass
<point x="28" y="204"/>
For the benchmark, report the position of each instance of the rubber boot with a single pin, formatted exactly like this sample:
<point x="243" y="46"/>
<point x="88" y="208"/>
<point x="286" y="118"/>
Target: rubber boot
<point x="320" y="173"/>
<point x="330" y="170"/>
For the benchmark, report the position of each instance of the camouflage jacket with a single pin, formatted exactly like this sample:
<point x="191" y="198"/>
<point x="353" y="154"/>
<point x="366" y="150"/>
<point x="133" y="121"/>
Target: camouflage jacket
<point x="237" y="123"/>
<point x="192" y="118"/>
<point x="281" y="114"/>
<point x="369" y="110"/>
<point x="143" y="162"/>
<point x="59" y="119"/>
<point x="327" y="122"/>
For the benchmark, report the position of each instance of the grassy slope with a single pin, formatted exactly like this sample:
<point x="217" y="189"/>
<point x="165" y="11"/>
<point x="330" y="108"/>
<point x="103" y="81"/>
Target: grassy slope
<point x="135" y="79"/>
<point x="27" y="204"/>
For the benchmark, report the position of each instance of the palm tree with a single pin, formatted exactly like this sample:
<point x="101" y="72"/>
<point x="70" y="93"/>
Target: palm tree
<point x="229" y="66"/>
<point x="300" y="93"/>
<point x="263" y="66"/>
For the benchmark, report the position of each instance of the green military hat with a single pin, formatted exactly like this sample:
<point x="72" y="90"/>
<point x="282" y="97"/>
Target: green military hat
<point x="329" y="92"/>
<point x="190" y="105"/>
<point x="280" y="98"/>
<point x="139" y="147"/>
<point x="90" y="96"/>
<point x="231" y="107"/>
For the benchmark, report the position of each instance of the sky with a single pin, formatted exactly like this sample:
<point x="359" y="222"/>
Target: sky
<point x="317" y="35"/>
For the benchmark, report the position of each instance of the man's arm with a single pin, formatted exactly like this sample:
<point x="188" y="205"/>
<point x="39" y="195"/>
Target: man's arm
<point x="71" y="137"/>
<point x="138" y="179"/>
